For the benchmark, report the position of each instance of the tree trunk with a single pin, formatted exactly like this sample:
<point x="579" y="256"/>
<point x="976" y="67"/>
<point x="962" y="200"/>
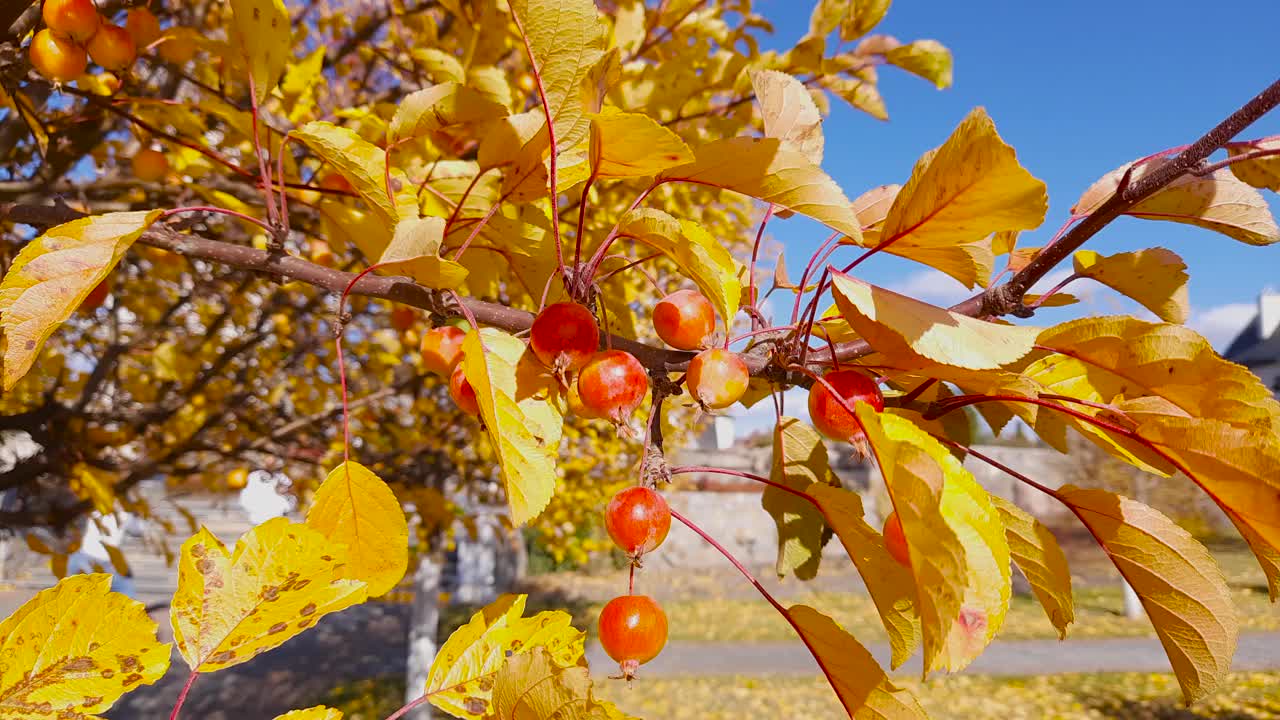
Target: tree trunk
<point x="423" y="622"/>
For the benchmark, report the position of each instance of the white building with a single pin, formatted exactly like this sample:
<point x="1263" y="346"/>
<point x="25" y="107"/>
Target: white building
<point x="1258" y="344"/>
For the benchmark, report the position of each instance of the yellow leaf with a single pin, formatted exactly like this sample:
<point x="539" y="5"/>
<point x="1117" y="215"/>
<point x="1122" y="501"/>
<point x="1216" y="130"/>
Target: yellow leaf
<point x="1004" y="242"/>
<point x="861" y="94"/>
<point x="789" y="113"/>
<point x="762" y="168"/>
<point x="916" y="469"/>
<point x="72" y="650"/>
<point x="1263" y="172"/>
<point x="280" y="580"/>
<point x="261" y="32"/>
<point x="705" y="260"/>
<point x="348" y="226"/>
<point x="1156" y="278"/>
<point x="532" y="686"/>
<point x="909" y="332"/>
<point x="524" y="426"/>
<point x="1175" y="577"/>
<point x="968" y="510"/>
<point x="926" y="58"/>
<point x="415" y="251"/>
<point x="1037" y="554"/>
<point x="355" y="508"/>
<point x="318" y="712"/>
<point x="52" y="275"/>
<point x="889" y="583"/>
<point x="861" y="16"/>
<point x="118" y="562"/>
<point x="440" y="65"/>
<point x="462" y="675"/>
<point x="439" y="106"/>
<point x="1217" y="202"/>
<point x="364" y="165"/>
<point x="860" y="683"/>
<point x="633" y="145"/>
<point x="566" y="39"/>
<point x="965" y="190"/>
<point x="872" y="207"/>
<point x="95" y="485"/>
<point x="1105" y="359"/>
<point x="799" y="460"/>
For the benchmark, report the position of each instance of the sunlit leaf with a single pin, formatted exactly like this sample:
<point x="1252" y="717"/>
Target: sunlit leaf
<point x="280" y="580"/>
<point x="567" y="38"/>
<point x="415" y="251"/>
<point x="1262" y="172"/>
<point x="799" y="460"/>
<point x="1038" y="555"/>
<point x="461" y="678"/>
<point x="927" y="58"/>
<point x="355" y="508"/>
<point x="861" y="684"/>
<point x="261" y="32"/>
<point x="633" y="145"/>
<point x="52" y="275"/>
<point x="72" y="650"/>
<point x="1156" y="278"/>
<point x="524" y="426"/>
<point x="439" y="106"/>
<point x="318" y="712"/>
<point x="1175" y="577"/>
<point x="533" y="685"/>
<point x="789" y="113"/>
<point x="440" y="65"/>
<point x="364" y="165"/>
<point x="911" y="332"/>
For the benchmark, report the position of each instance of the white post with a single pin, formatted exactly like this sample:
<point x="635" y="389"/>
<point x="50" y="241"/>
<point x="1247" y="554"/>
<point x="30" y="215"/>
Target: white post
<point x="423" y="622"/>
<point x="1132" y="605"/>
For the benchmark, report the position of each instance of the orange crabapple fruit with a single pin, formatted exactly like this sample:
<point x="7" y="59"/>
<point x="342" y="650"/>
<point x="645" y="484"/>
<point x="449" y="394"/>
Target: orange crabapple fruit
<point x="176" y="49"/>
<point x="441" y="349"/>
<point x="59" y="59"/>
<point x="150" y="165"/>
<point x="684" y="319"/>
<point x="717" y="378"/>
<point x="143" y="27"/>
<point x="564" y="336"/>
<point x="75" y="19"/>
<point x="633" y="630"/>
<point x="462" y="393"/>
<point x="96" y="296"/>
<point x="829" y="415"/>
<point x="895" y="541"/>
<point x="638" y="520"/>
<point x="612" y="385"/>
<point x="112" y="47"/>
<point x="402" y="317"/>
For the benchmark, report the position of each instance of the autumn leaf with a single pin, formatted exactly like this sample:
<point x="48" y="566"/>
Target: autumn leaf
<point x="1156" y="278"/>
<point x="72" y="650"/>
<point x="970" y="187"/>
<point x="871" y="208"/>
<point x="1261" y="172"/>
<point x="566" y="39"/>
<point x="440" y="106"/>
<point x="280" y="580"/>
<point x="927" y="58"/>
<point x="524" y="427"/>
<point x="910" y="333"/>
<point x="1217" y="202"/>
<point x="415" y="251"/>
<point x="355" y="508"/>
<point x="440" y="65"/>
<point x="799" y="460"/>
<point x="860" y="683"/>
<point x="789" y="113"/>
<point x="633" y="145"/>
<point x="763" y="168"/>
<point x="1175" y="577"/>
<point x="461" y="678"/>
<point x="262" y="35"/>
<point x="890" y="584"/>
<point x="318" y="712"/>
<point x="52" y="275"/>
<point x="1038" y="555"/>
<point x="916" y="469"/>
<point x="700" y="256"/>
<point x="364" y="165"/>
<point x="533" y="685"/>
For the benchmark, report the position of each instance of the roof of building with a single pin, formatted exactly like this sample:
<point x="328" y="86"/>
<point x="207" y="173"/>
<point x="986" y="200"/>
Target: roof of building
<point x="1250" y="348"/>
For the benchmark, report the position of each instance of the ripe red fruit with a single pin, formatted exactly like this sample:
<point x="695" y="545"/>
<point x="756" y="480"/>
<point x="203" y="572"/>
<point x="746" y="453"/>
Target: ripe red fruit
<point x="895" y="541"/>
<point x="564" y="336"/>
<point x="684" y="319"/>
<point x="441" y="349"/>
<point x="717" y="378"/>
<point x="96" y="296"/>
<point x="633" y="630"/>
<point x="58" y="59"/>
<point x="150" y="165"/>
<point x="462" y="392"/>
<point x="76" y="19"/>
<point x="612" y="385"/>
<point x="402" y="317"/>
<point x="112" y="48"/>
<point x="638" y="520"/>
<point x="830" y="417"/>
<point x="177" y="49"/>
<point x="143" y="26"/>
<point x="573" y="399"/>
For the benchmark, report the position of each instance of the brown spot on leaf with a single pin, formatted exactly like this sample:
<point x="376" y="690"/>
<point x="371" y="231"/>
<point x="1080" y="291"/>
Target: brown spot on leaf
<point x="270" y="593"/>
<point x="474" y="705"/>
<point x="132" y="679"/>
<point x="198" y="550"/>
<point x="80" y="664"/>
<point x="128" y="663"/>
<point x="278" y="628"/>
<point x="485" y="683"/>
<point x="225" y="656"/>
<point x="309" y="609"/>
<point x="91" y="701"/>
<point x="108" y="673"/>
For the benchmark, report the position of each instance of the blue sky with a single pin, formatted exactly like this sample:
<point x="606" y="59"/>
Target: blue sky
<point x="1078" y="88"/>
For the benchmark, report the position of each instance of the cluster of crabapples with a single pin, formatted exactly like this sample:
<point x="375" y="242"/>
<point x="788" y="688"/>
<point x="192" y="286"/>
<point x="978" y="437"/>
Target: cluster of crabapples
<point x="76" y="33"/>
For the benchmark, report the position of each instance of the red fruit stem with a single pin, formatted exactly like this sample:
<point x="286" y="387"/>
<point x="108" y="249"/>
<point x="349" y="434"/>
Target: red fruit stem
<point x="765" y="594"/>
<point x="582" y="218"/>
<point x="996" y="464"/>
<point x="284" y="196"/>
<point x="594" y="263"/>
<point x="410" y="706"/>
<point x="818" y="257"/>
<point x="1053" y="291"/>
<point x="690" y="469"/>
<point x="457" y="208"/>
<point x="755" y="253"/>
<point x="342" y="367"/>
<point x="182" y="695"/>
<point x="918" y="390"/>
<point x="264" y="167"/>
<point x="631" y="581"/>
<point x="474" y="231"/>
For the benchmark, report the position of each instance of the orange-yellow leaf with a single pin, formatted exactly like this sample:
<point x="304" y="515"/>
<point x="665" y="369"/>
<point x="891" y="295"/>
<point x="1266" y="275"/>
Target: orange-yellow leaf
<point x="1156" y="278"/>
<point x="567" y="38"/>
<point x="789" y="113"/>
<point x="799" y="461"/>
<point x="280" y="580"/>
<point x="912" y="333"/>
<point x="260" y="29"/>
<point x="318" y="712"/>
<point x="1175" y="577"/>
<point x="355" y="508"/>
<point x="414" y="250"/>
<point x="52" y="275"/>
<point x="532" y="685"/>
<point x="364" y="165"/>
<point x="72" y="650"/>
<point x="633" y="145"/>
<point x="1262" y="172"/>
<point x="927" y="58"/>
<point x="861" y="684"/>
<point x="1038" y="555"/>
<point x="439" y="106"/>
